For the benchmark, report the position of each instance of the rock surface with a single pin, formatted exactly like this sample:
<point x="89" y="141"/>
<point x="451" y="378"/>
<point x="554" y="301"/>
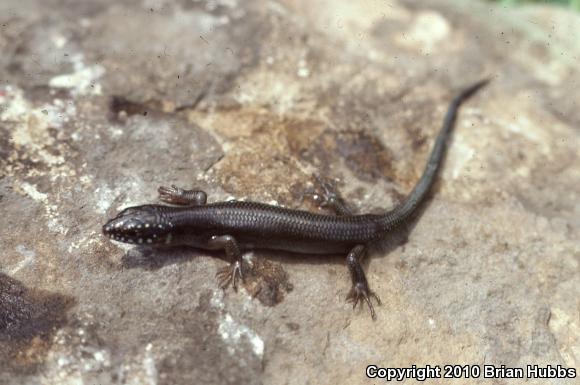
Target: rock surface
<point x="101" y="102"/>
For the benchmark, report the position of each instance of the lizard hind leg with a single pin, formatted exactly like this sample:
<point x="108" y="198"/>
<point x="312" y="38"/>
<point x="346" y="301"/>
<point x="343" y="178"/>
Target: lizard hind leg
<point x="329" y="197"/>
<point x="360" y="288"/>
<point x="178" y="196"/>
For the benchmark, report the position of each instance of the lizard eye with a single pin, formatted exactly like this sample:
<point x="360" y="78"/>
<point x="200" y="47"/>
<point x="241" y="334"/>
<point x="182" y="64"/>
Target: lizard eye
<point x="139" y="225"/>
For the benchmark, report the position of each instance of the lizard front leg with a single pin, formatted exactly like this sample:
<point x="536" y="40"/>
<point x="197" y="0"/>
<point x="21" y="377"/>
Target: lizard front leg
<point x="178" y="196"/>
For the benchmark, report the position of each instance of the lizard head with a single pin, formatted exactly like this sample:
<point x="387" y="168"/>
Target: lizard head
<point x="147" y="224"/>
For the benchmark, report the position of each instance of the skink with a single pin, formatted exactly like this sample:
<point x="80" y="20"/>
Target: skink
<point x="237" y="226"/>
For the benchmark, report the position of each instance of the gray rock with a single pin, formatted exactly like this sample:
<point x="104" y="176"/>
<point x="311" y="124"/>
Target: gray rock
<point x="102" y="102"/>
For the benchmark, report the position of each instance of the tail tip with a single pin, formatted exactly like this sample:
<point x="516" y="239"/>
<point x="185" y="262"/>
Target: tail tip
<point x="474" y="88"/>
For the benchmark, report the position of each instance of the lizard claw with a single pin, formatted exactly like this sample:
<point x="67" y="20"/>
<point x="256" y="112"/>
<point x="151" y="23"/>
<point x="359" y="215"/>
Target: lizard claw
<point x="171" y="194"/>
<point x="178" y="196"/>
<point x="327" y="197"/>
<point x="230" y="274"/>
<point x="360" y="293"/>
<point x="330" y="196"/>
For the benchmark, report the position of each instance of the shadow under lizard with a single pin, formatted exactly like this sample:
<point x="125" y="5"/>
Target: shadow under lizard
<point x="237" y="226"/>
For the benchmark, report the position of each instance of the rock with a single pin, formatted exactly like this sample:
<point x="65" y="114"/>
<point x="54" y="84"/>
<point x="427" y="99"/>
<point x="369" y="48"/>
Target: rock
<point x="102" y="102"/>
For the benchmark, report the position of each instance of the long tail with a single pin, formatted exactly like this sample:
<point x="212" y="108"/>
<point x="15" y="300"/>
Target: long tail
<point x="414" y="199"/>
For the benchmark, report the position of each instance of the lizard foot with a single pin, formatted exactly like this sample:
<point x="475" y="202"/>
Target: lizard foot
<point x="360" y="293"/>
<point x="171" y="194"/>
<point x="328" y="196"/>
<point x="230" y="274"/>
<point x="178" y="196"/>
